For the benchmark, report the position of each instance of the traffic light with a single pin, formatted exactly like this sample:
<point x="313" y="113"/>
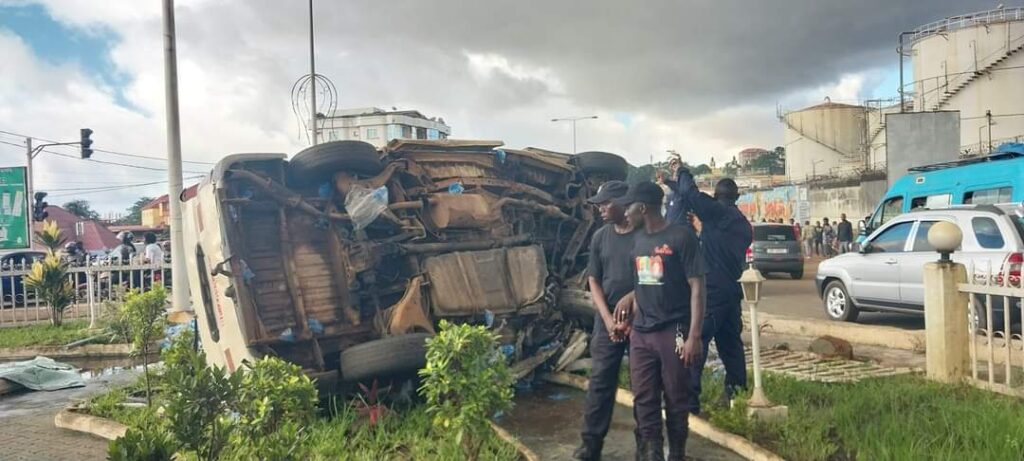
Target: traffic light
<point x="86" y="142"/>
<point x="39" y="207"/>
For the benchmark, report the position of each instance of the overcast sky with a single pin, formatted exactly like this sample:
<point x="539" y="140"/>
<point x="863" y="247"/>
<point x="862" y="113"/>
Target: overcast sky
<point x="701" y="77"/>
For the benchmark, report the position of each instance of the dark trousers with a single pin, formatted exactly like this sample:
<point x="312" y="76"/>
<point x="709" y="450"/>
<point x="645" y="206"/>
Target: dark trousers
<point x="724" y="324"/>
<point x="604" y="382"/>
<point x="656" y="371"/>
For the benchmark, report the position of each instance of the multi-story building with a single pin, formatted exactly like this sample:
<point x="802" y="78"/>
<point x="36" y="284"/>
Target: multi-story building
<point x="378" y="126"/>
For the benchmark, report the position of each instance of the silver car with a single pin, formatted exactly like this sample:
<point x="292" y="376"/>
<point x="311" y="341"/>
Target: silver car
<point x="887" y="273"/>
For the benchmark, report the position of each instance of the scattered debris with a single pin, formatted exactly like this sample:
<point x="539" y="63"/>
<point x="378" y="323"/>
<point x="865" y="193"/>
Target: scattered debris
<point x="832" y="347"/>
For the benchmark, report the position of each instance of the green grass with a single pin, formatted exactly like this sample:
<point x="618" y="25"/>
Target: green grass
<point x="405" y="435"/>
<point x="896" y="418"/>
<point x="45" y="334"/>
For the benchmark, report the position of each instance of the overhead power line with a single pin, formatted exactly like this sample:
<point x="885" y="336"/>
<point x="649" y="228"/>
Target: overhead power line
<point x="126" y="165"/>
<point x="98" y="190"/>
<point x="124" y="154"/>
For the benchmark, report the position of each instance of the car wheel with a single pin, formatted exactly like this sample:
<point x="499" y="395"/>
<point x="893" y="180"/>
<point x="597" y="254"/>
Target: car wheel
<point x="797" y="275"/>
<point x="610" y="166"/>
<point x="979" y="323"/>
<point x="838" y="304"/>
<point x="391" y="356"/>
<point x="318" y="163"/>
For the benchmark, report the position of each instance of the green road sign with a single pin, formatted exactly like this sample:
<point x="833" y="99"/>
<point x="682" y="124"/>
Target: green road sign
<point x="14" y="218"/>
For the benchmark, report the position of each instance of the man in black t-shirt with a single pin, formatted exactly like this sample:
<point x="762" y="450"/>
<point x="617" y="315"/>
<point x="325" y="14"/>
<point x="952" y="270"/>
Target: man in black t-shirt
<point x="611" y="280"/>
<point x="668" y="313"/>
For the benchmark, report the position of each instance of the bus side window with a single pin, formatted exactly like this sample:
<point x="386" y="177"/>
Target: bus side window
<point x="890" y="209"/>
<point x="989" y="196"/>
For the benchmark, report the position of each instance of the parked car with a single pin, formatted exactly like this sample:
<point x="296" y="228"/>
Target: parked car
<point x="344" y="258"/>
<point x="886" y="275"/>
<point x="12" y="289"/>
<point x="776" y="248"/>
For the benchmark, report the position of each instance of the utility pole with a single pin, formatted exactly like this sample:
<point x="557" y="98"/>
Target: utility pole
<point x="179" y="282"/>
<point x="988" y="116"/>
<point x="312" y="77"/>
<point x="28" y="183"/>
<point x="573" y="120"/>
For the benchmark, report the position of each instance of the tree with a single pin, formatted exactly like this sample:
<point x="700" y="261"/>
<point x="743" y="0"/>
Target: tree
<point x="143" y="313"/>
<point x="701" y="169"/>
<point x="135" y="211"/>
<point x="82" y="209"/>
<point x="773" y="162"/>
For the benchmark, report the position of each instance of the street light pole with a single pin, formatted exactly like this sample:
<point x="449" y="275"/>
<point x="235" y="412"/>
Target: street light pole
<point x="179" y="282"/>
<point x="574" y="120"/>
<point x="312" y="77"/>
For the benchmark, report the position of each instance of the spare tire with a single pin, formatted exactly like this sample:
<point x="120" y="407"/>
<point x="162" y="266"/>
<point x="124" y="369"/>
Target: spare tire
<point x="391" y="356"/>
<point x="317" y="164"/>
<point x="605" y="164"/>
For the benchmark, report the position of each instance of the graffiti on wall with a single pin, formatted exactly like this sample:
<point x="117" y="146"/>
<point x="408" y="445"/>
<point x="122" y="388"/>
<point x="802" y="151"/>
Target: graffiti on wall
<point x="779" y="203"/>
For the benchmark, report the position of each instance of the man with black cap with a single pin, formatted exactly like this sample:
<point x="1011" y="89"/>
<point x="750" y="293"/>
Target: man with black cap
<point x="611" y="280"/>
<point x="668" y="311"/>
<point x="725" y="236"/>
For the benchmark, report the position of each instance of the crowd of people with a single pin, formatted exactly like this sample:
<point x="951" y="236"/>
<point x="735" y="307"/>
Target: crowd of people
<point x="663" y="293"/>
<point x="823" y="238"/>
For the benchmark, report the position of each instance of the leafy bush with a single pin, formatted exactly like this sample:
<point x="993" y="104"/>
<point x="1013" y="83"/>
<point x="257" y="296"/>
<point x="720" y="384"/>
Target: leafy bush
<point x="466" y="380"/>
<point x="49" y="277"/>
<point x="261" y="412"/>
<point x="151" y="442"/>
<point x="199" y="400"/>
<point x="276" y="403"/>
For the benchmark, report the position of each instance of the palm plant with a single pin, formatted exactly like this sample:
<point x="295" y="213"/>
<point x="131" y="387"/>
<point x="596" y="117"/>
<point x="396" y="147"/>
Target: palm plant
<point x="49" y="277"/>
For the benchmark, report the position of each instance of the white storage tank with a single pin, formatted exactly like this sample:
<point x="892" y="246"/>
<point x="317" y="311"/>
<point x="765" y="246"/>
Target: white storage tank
<point x="973" y="63"/>
<point x="828" y="139"/>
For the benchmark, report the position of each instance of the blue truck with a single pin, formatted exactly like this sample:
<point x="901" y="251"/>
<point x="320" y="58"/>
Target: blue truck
<point x="992" y="179"/>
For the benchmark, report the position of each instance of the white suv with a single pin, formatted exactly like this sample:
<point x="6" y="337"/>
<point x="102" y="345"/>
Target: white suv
<point x="887" y="273"/>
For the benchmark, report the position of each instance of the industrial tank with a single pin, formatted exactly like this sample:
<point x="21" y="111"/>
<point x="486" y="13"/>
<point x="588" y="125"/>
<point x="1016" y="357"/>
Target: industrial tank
<point x="973" y="63"/>
<point x="828" y="139"/>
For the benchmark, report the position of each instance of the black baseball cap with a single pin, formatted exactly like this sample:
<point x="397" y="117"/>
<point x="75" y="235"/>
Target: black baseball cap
<point x="643" y="192"/>
<point x="609" y="191"/>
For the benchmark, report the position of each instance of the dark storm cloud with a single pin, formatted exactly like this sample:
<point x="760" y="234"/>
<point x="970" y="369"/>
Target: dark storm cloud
<point x="669" y="57"/>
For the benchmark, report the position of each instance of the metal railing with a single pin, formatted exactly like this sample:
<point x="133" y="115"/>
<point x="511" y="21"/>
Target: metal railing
<point x="94" y="283"/>
<point x="995" y="338"/>
<point x="967" y="20"/>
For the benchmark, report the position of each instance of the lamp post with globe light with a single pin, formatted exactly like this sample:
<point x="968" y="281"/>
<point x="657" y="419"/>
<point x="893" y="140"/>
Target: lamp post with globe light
<point x="758" y="406"/>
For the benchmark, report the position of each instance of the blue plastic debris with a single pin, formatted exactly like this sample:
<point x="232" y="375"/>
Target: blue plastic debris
<point x="500" y="154"/>
<point x="248" y="193"/>
<point x="558" y="396"/>
<point x="456" y="188"/>
<point x="488" y="318"/>
<point x="315" y="326"/>
<point x="325" y="190"/>
<point x="288" y="335"/>
<point x="549" y="346"/>
<point x="247" y="274"/>
<point x="508" y="350"/>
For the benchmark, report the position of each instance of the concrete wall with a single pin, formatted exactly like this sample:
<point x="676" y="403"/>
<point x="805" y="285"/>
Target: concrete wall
<point x="813" y="203"/>
<point x="920" y="138"/>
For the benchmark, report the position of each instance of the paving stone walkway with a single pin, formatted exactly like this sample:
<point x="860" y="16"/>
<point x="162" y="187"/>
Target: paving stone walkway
<point x="27" y="432"/>
<point x="548" y="420"/>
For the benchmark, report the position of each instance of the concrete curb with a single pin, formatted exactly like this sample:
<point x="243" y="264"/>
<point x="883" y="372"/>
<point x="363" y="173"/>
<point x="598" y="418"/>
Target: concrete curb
<point x="510" y="439"/>
<point x="870" y="335"/>
<point x="60" y="352"/>
<point x="737" y="444"/>
<point x="72" y="419"/>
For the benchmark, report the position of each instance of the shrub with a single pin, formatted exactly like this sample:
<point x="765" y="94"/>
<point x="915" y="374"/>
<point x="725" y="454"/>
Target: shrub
<point x="146" y="443"/>
<point x="199" y="401"/>
<point x="49" y="277"/>
<point x="466" y="380"/>
<point x="276" y="403"/>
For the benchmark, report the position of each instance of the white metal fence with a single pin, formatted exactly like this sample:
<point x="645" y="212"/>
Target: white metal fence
<point x="995" y="336"/>
<point x="95" y="283"/>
